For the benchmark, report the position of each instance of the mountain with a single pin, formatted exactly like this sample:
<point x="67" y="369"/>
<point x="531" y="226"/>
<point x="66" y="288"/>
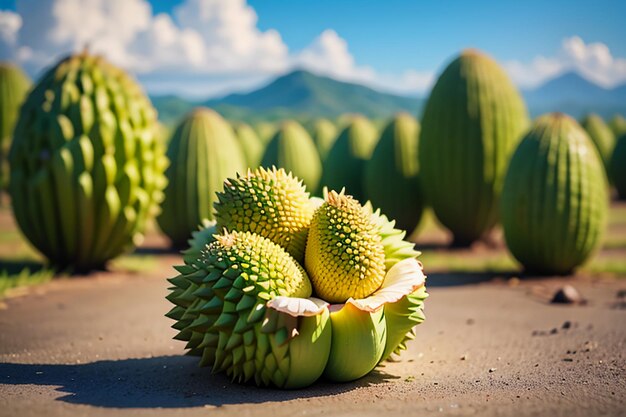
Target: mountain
<point x="573" y="94"/>
<point x="299" y="94"/>
<point x="302" y="95"/>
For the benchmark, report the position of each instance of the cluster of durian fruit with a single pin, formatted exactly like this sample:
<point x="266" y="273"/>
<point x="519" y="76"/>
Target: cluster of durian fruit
<point x="283" y="288"/>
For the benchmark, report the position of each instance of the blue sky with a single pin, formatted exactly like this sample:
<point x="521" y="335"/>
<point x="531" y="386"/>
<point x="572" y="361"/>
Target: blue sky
<point x="392" y="45"/>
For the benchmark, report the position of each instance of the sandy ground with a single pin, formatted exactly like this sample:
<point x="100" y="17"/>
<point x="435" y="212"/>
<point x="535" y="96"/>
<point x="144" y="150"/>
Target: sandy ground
<point x="101" y="347"/>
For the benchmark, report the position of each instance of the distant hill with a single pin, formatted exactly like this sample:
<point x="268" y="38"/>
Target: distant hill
<point x="572" y="94"/>
<point x="302" y="95"/>
<point x="299" y="94"/>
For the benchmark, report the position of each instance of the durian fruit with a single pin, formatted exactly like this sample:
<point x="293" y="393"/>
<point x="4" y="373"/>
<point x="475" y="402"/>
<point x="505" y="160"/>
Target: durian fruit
<point x="555" y="199"/>
<point x="345" y="164"/>
<point x="250" y="144"/>
<point x="265" y="131"/>
<point x="617" y="167"/>
<point x="292" y="148"/>
<point x="601" y="135"/>
<point x="86" y="166"/>
<point x="324" y="134"/>
<point x="391" y="179"/>
<point x="472" y="122"/>
<point x="203" y="152"/>
<point x="344" y="253"/>
<point x="240" y="303"/>
<point x="618" y="125"/>
<point x="270" y="203"/>
<point x="221" y="310"/>
<point x="14" y="85"/>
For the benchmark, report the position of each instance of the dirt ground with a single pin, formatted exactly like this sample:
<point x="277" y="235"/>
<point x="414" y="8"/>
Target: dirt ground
<point x="491" y="346"/>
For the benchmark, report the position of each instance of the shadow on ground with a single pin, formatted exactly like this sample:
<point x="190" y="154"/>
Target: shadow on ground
<point x="164" y="381"/>
<point x="15" y="266"/>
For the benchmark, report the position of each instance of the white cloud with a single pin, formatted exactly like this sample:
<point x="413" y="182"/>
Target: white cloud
<point x="328" y="55"/>
<point x="10" y="24"/>
<point x="592" y="60"/>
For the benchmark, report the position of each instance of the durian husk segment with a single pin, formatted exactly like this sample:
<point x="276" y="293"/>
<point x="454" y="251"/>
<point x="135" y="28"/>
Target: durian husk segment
<point x="220" y="307"/>
<point x="310" y="335"/>
<point x="364" y="323"/>
<point x="269" y="202"/>
<point x="402" y="317"/>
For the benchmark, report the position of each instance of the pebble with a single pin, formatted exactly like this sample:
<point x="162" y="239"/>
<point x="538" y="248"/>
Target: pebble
<point x="567" y="295"/>
<point x="491" y="370"/>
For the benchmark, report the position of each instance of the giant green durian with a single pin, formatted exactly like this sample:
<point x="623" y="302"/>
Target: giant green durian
<point x="268" y="202"/>
<point x="601" y="135"/>
<point x="293" y="149"/>
<point x="391" y="179"/>
<point x="324" y="134"/>
<point x="203" y="152"/>
<point x="554" y="201"/>
<point x="345" y="164"/>
<point x="617" y="167"/>
<point x="251" y="146"/>
<point x="472" y="122"/>
<point x="618" y="125"/>
<point x="221" y="309"/>
<point x="86" y="167"/>
<point x="14" y="85"/>
<point x="265" y="131"/>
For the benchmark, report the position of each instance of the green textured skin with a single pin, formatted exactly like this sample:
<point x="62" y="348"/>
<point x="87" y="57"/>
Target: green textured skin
<point x="391" y="179"/>
<point x="324" y="133"/>
<point x="86" y="167"/>
<point x="401" y="317"/>
<point x="618" y="125"/>
<point x="268" y="202"/>
<point x="617" y="167"/>
<point x="345" y="164"/>
<point x="265" y="131"/>
<point x="472" y="122"/>
<point x="203" y="152"/>
<point x="251" y="146"/>
<point x="555" y="199"/>
<point x="293" y="149"/>
<point x="601" y="135"/>
<point x="220" y="310"/>
<point x="14" y="86"/>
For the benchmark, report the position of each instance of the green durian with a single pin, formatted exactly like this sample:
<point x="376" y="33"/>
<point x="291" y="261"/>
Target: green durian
<point x="344" y="254"/>
<point x="268" y="202"/>
<point x="221" y="310"/>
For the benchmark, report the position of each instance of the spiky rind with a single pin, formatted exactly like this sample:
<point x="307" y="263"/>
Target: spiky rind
<point x="472" y="122"/>
<point x="220" y="307"/>
<point x="344" y="254"/>
<point x="555" y="199"/>
<point x="270" y="203"/>
<point x="401" y="318"/>
<point x="203" y="152"/>
<point x="395" y="247"/>
<point x="86" y="167"/>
